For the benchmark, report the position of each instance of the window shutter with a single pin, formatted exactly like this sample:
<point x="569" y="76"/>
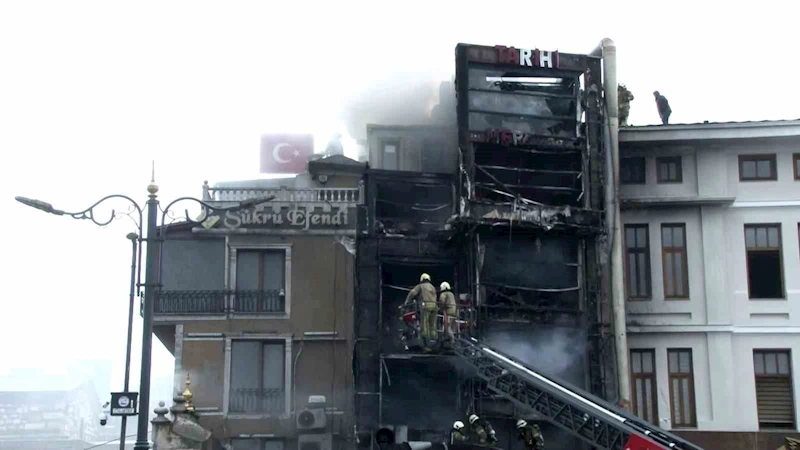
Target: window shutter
<point x="774" y="398"/>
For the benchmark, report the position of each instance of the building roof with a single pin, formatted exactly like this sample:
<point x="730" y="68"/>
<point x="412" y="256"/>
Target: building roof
<point x="32" y="397"/>
<point x="710" y="131"/>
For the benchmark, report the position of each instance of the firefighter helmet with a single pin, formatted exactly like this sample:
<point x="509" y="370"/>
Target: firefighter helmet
<point x="424" y="277"/>
<point x="521" y="423"/>
<point x="458" y="425"/>
<point x="472" y="419"/>
<point x="445" y="286"/>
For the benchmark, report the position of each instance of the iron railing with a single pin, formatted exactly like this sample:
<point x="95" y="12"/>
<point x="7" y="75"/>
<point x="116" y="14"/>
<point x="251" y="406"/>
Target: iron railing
<point x="259" y="401"/>
<point x="283" y="194"/>
<point x="260" y="301"/>
<point x="218" y="302"/>
<point x="190" y="302"/>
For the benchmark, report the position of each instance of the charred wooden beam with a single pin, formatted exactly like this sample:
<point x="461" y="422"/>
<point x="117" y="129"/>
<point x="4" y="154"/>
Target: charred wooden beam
<point x="525" y="116"/>
<point x="524" y="288"/>
<point x="520" y="169"/>
<point x="528" y="186"/>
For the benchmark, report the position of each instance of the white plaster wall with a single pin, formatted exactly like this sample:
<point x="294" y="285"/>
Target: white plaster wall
<point x="702" y="378"/>
<point x="747" y="312"/>
<point x="785" y="188"/>
<point x="719" y="322"/>
<point x="723" y="374"/>
<point x="657" y="310"/>
<point x="651" y="188"/>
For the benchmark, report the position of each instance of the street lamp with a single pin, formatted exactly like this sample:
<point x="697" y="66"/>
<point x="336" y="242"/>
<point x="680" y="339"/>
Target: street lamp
<point x="152" y="279"/>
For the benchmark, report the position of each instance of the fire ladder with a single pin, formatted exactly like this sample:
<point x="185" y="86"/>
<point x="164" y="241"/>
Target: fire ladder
<point x="581" y="414"/>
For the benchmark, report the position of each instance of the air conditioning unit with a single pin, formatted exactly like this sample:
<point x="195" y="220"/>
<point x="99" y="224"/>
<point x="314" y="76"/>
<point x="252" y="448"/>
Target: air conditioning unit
<point x="315" y="442"/>
<point x="313" y="417"/>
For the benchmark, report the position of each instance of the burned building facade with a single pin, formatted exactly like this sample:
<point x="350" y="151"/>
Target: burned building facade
<point x="516" y="229"/>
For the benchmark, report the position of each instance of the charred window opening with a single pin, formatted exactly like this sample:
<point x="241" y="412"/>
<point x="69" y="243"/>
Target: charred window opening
<point x="534" y="276"/>
<point x="764" y="266"/>
<point x="543" y="105"/>
<point x="550" y="178"/>
<point x="396" y="282"/>
<point x="409" y="390"/>
<point x="408" y="208"/>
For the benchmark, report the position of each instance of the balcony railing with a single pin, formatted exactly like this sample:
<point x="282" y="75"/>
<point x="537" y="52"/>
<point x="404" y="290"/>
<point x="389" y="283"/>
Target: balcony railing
<point x="329" y="195"/>
<point x="255" y="302"/>
<point x="220" y="302"/>
<point x="190" y="302"/>
<point x="257" y="401"/>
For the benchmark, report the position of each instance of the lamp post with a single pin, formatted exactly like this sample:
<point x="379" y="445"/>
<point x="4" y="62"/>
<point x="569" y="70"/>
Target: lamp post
<point x="151" y="282"/>
<point x="133" y="238"/>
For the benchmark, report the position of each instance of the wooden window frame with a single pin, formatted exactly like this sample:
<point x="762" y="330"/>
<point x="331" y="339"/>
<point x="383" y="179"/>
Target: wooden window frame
<point x="652" y="376"/>
<point x="795" y="164"/>
<point x="648" y="263"/>
<point x="683" y="252"/>
<point x="678" y="160"/>
<point x="644" y="170"/>
<point x="680" y="376"/>
<point x="779" y="248"/>
<point x="756" y="376"/>
<point x="772" y="157"/>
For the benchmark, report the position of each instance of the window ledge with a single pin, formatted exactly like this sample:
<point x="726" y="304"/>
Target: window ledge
<point x="260" y="316"/>
<point x="781" y="299"/>
<point x="243" y="416"/>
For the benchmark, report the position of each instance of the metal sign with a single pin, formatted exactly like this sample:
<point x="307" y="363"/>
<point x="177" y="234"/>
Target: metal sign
<point x="284" y="217"/>
<point x="124" y="403"/>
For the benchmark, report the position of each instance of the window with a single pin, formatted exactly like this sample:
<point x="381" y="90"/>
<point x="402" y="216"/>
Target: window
<point x="260" y="281"/>
<point x="764" y="267"/>
<point x="257" y="444"/>
<point x="390" y="155"/>
<point x="774" y="393"/>
<point x="674" y="261"/>
<point x="796" y="164"/>
<point x="643" y="370"/>
<point x="669" y="170"/>
<point x="632" y="170"/>
<point x="681" y="387"/>
<point x="257" y="377"/>
<point x="757" y="168"/>
<point x="637" y="252"/>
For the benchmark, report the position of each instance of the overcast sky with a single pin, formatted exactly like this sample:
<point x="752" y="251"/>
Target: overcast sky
<point x="91" y="92"/>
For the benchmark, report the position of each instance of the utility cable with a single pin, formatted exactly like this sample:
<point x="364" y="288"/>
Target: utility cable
<point x="106" y="443"/>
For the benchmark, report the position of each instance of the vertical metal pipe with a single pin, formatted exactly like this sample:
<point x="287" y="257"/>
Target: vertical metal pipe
<point x="151" y="263"/>
<point x="609" y="53"/>
<point x="133" y="238"/>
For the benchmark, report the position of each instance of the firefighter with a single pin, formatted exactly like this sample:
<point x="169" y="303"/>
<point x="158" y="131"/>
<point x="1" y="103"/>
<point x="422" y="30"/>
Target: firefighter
<point x="425" y="294"/>
<point x="481" y="430"/>
<point x="531" y="435"/>
<point x="447" y="306"/>
<point x="457" y="435"/>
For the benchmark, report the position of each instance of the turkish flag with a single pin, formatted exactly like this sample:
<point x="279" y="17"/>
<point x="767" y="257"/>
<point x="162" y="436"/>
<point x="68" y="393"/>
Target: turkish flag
<point x="286" y="153"/>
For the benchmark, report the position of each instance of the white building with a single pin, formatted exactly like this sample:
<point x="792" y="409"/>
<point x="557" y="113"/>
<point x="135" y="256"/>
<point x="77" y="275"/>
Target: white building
<point x="711" y="216"/>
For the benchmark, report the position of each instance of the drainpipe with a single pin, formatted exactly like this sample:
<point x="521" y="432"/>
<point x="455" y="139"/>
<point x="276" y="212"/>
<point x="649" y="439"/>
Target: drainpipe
<point x="608" y="50"/>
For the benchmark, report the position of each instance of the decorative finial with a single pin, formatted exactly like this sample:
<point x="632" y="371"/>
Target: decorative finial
<point x="161" y="413"/>
<point x="187" y="394"/>
<point x="152" y="188"/>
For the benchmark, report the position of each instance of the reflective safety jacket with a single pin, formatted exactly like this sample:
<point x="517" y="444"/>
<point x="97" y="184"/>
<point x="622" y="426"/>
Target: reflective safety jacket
<point x="425" y="293"/>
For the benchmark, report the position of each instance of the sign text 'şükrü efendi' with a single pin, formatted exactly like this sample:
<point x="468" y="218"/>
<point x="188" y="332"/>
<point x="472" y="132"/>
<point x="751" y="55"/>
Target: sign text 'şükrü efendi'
<point x="297" y="218"/>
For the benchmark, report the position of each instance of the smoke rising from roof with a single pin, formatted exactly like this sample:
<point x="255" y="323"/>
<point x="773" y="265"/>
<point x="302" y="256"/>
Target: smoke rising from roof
<point x="402" y="99"/>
